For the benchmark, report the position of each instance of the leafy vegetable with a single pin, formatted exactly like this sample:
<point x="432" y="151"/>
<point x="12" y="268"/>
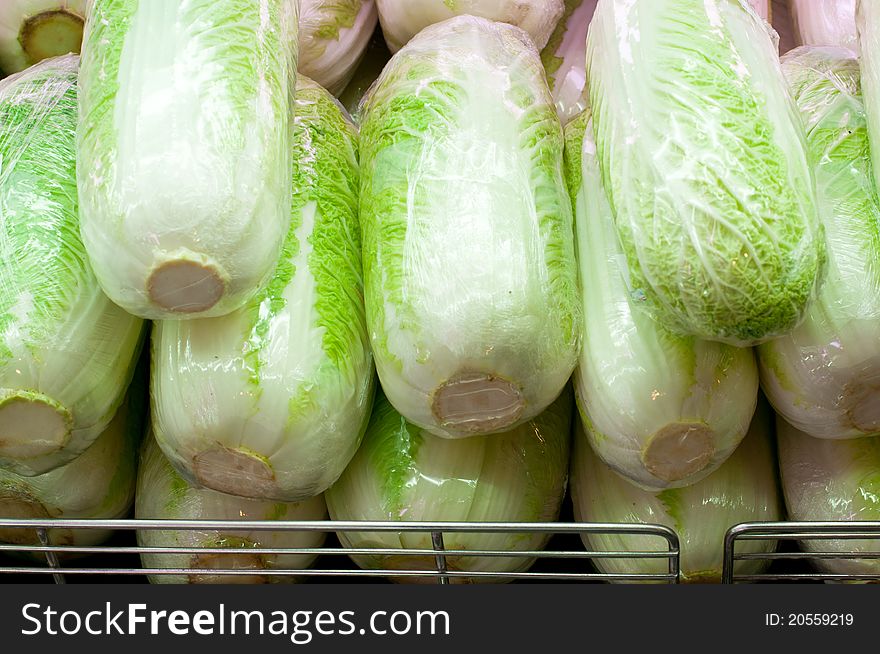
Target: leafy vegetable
<point x="470" y="274"/>
<point x="824" y="377"/>
<point x="832" y="480"/>
<point x="744" y="489"/>
<point x="184" y="150"/>
<point x="97" y="485"/>
<point x="271" y="401"/>
<point x="333" y="35"/>
<point x="403" y="19"/>
<point x="66" y="351"/>
<point x="662" y="410"/>
<point x="564" y="56"/>
<point x="163" y="495"/>
<point x="403" y="473"/>
<point x="704" y="161"/>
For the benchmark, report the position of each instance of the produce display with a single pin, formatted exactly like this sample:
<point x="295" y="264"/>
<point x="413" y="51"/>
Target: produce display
<point x="406" y="473"/>
<point x="271" y="400"/>
<point x="398" y="263"/>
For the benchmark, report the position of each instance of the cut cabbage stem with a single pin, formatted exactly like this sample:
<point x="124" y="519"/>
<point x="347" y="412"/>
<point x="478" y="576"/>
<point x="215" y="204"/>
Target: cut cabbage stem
<point x="235" y="472"/>
<point x="249" y="561"/>
<point x="679" y="450"/>
<point x="186" y="285"/>
<point x="32" y="424"/>
<point x="51" y="34"/>
<point x="19" y="506"/>
<point x="862" y="407"/>
<point x="478" y="403"/>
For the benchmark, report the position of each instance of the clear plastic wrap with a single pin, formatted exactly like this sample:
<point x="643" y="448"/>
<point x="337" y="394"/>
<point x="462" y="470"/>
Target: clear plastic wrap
<point x="271" y="401"/>
<point x="404" y="473"/>
<point x="744" y="489"/>
<point x="471" y="279"/>
<point x="402" y="19"/>
<point x="824" y="22"/>
<point x="564" y="59"/>
<point x="66" y="351"/>
<point x="333" y="35"/>
<point x="163" y="495"/>
<point x="33" y="30"/>
<point x="97" y="485"/>
<point x="824" y="377"/>
<point x="662" y="410"/>
<point x="704" y="160"/>
<point x="832" y="480"/>
<point x="184" y="150"/>
<point x="367" y="73"/>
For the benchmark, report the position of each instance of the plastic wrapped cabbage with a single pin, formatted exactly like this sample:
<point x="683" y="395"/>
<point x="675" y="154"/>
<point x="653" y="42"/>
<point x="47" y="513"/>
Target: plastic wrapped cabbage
<point x="824" y="22"/>
<point x="98" y="485"/>
<point x="662" y="410"/>
<point x="824" y="377"/>
<point x="832" y="480"/>
<point x="704" y="160"/>
<point x="163" y="495"/>
<point x="271" y="401"/>
<point x="763" y="8"/>
<point x="471" y="280"/>
<point x="34" y="30"/>
<point x="564" y="59"/>
<point x="744" y="489"/>
<point x="333" y="35"/>
<point x="66" y="351"/>
<point x="403" y="473"/>
<point x="403" y="19"/>
<point x="184" y="150"/>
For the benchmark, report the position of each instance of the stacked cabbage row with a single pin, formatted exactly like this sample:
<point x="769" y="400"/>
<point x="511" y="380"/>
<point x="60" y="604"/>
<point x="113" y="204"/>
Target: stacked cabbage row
<point x="709" y="223"/>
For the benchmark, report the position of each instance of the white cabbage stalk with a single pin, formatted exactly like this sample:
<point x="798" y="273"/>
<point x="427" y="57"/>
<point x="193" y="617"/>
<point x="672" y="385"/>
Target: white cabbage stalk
<point x="403" y="473"/>
<point x="66" y="351"/>
<point x="832" y="480"/>
<point x="33" y="30"/>
<point x="333" y="35"/>
<point x="98" y="485"/>
<point x="184" y="150"/>
<point x="663" y="410"/>
<point x="704" y="159"/>
<point x="402" y="19"/>
<point x="824" y="22"/>
<point x="471" y="280"/>
<point x="163" y="495"/>
<point x="367" y="73"/>
<point x="744" y="489"/>
<point x="271" y="401"/>
<point x="564" y="59"/>
<point x="824" y="377"/>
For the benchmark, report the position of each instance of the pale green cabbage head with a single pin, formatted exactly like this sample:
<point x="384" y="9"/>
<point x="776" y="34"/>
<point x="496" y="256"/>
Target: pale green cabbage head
<point x="704" y="160"/>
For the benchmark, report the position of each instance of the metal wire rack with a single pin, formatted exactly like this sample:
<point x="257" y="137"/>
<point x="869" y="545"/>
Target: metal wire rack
<point x="446" y="565"/>
<point x="800" y="531"/>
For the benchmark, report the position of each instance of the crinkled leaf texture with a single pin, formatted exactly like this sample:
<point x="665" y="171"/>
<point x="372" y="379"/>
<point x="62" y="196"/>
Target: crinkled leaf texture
<point x="704" y="160"/>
